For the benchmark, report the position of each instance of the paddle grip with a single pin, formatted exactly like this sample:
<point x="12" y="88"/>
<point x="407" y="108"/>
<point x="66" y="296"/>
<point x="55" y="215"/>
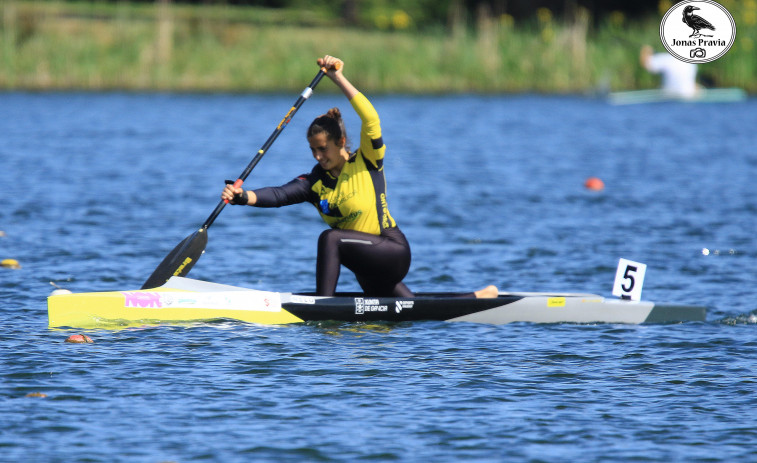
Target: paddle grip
<point x="237" y="184"/>
<point x="337" y="66"/>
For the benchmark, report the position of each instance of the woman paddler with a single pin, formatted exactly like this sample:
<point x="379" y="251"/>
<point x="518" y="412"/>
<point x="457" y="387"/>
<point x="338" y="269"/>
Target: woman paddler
<point x="349" y="191"/>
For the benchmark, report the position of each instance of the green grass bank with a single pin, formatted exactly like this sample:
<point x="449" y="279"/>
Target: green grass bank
<point x="163" y="47"/>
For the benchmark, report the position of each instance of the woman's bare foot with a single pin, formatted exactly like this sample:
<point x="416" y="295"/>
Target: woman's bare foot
<point x="489" y="292"/>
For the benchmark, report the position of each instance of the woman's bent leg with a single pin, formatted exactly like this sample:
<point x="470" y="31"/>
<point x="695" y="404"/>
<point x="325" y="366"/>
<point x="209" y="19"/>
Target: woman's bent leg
<point x="379" y="262"/>
<point x="328" y="264"/>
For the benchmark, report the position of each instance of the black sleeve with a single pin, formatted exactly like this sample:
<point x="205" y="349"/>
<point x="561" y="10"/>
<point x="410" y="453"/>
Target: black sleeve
<point x="294" y="192"/>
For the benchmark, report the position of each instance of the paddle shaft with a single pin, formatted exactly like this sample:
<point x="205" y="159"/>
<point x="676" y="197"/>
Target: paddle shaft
<point x="280" y="128"/>
<point x="183" y="257"/>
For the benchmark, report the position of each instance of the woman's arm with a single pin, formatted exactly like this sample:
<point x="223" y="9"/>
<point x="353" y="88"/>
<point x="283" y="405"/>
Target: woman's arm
<point x="294" y="192"/>
<point x="371" y="142"/>
<point x="334" y="67"/>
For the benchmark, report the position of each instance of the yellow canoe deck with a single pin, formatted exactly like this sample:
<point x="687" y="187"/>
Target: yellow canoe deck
<point x="127" y="308"/>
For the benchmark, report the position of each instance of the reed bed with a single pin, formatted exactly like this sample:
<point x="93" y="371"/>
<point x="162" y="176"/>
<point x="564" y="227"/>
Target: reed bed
<point x="164" y="47"/>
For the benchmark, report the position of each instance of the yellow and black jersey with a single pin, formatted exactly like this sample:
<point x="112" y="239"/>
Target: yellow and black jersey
<point x="356" y="200"/>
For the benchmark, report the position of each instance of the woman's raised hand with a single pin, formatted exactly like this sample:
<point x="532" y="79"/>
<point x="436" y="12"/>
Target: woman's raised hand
<point x="331" y="63"/>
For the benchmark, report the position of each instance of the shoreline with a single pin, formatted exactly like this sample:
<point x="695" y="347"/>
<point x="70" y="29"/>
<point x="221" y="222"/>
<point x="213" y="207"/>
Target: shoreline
<point x="53" y="46"/>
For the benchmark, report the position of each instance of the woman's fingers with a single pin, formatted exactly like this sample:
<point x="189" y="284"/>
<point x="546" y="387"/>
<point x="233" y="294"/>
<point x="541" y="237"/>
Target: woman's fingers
<point x="330" y="62"/>
<point x="229" y="192"/>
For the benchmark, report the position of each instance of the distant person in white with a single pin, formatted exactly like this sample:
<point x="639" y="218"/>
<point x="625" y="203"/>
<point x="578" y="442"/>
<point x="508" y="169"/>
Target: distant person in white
<point x="679" y="78"/>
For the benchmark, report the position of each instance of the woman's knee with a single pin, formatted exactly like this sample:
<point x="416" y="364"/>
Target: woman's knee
<point x="329" y="238"/>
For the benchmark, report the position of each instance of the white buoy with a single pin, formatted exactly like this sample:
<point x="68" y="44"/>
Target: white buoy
<point x="58" y="290"/>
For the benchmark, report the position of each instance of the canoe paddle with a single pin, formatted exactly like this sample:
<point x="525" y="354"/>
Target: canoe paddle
<point x="183" y="257"/>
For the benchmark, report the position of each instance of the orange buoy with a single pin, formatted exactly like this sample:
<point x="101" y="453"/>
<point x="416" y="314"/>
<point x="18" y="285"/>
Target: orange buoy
<point x="36" y="394"/>
<point x="594" y="183"/>
<point x="79" y="339"/>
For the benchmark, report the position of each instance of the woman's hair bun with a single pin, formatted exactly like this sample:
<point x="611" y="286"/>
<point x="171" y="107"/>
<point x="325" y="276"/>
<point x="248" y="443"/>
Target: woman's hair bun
<point x="334" y="113"/>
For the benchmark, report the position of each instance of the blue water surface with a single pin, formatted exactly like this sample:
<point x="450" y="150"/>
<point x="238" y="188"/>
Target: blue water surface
<point x="95" y="189"/>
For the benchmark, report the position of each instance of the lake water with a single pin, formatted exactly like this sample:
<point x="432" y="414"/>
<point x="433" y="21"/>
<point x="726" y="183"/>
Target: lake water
<point x="95" y="189"/>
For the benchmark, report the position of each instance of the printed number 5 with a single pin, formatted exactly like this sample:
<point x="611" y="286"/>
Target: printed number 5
<point x="630" y="278"/>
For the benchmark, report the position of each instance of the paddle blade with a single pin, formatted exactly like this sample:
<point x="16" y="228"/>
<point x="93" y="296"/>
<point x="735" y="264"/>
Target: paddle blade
<point x="179" y="261"/>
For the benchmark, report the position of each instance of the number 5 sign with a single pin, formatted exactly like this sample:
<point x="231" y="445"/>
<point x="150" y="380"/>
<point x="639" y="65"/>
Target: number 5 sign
<point x="629" y="279"/>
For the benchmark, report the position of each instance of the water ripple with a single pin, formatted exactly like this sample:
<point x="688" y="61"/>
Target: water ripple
<point x="504" y="206"/>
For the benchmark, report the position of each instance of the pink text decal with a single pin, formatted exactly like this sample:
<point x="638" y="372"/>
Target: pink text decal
<point x="142" y="299"/>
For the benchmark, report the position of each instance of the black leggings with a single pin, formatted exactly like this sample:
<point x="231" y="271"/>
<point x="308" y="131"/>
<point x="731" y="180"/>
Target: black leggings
<point x="378" y="262"/>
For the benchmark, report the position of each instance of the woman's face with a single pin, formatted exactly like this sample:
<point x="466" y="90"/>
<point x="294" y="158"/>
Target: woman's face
<point x="326" y="152"/>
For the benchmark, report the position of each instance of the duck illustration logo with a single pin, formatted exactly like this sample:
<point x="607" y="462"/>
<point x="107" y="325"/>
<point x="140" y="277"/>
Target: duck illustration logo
<point x="696" y="22"/>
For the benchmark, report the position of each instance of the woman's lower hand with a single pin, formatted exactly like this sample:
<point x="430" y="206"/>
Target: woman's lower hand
<point x="234" y="195"/>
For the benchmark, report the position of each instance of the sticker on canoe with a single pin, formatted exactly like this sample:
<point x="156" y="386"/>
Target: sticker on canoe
<point x="399" y="305"/>
<point x="260" y="301"/>
<point x="556" y="302"/>
<point x="363" y="305"/>
<point x="298" y="299"/>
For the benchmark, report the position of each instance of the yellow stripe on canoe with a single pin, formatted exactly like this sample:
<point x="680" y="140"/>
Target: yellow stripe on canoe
<point x="89" y="310"/>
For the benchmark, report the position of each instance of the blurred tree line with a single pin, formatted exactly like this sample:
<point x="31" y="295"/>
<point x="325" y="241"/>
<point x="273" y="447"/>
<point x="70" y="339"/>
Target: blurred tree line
<point x="423" y="14"/>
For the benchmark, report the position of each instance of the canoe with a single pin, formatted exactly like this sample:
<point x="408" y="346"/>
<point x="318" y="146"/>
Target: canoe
<point x="708" y="95"/>
<point x="182" y="300"/>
